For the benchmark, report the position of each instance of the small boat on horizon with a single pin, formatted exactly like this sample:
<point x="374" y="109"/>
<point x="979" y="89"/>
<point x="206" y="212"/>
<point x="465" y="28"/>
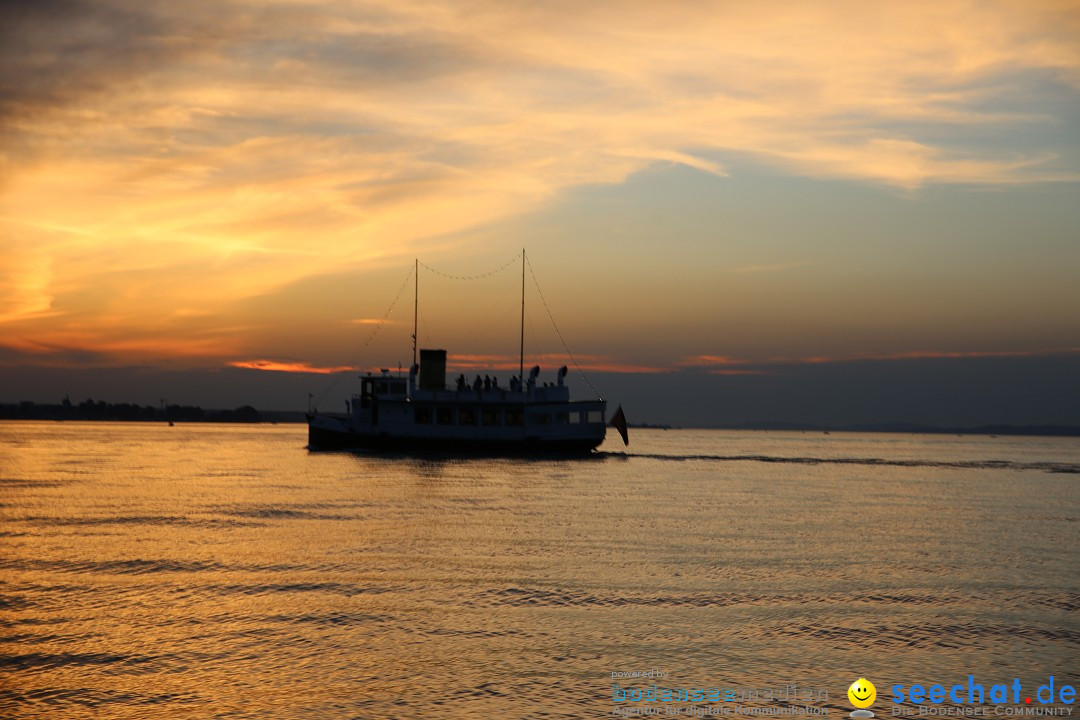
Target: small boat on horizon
<point x="420" y="413"/>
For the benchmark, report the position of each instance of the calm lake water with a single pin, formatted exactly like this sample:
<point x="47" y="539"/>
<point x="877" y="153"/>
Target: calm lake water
<point x="223" y="571"/>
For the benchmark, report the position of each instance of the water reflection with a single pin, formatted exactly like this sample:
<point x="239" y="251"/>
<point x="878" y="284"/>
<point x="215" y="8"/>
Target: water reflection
<point x="223" y="571"/>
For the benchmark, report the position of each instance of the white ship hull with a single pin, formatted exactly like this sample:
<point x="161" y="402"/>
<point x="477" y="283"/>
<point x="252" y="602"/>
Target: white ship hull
<point x="394" y="415"/>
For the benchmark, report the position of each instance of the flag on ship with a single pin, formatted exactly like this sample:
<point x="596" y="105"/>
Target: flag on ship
<point x="618" y="421"/>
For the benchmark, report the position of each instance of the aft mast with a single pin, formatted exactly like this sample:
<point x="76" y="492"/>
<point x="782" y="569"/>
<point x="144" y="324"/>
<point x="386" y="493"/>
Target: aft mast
<point x="521" y="355"/>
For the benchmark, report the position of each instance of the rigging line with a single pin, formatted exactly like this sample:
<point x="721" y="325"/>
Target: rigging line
<point x="378" y="327"/>
<point x="480" y="276"/>
<point x="557" y="331"/>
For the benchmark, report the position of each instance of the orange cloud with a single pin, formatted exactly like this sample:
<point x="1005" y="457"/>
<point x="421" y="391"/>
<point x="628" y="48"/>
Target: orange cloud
<point x="709" y="361"/>
<point x="723" y="365"/>
<point x="370" y="321"/>
<point x="594" y="363"/>
<point x="927" y="355"/>
<point x="291" y="367"/>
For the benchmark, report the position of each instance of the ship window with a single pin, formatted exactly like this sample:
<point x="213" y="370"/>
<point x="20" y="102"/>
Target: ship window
<point x="444" y="415"/>
<point x="562" y="418"/>
<point x="595" y="416"/>
<point x="539" y="419"/>
<point x="422" y="414"/>
<point x="515" y="418"/>
<point x="380" y="388"/>
<point x="397" y="388"/>
<point x="575" y="418"/>
<point x="489" y="416"/>
<point x="467" y="416"/>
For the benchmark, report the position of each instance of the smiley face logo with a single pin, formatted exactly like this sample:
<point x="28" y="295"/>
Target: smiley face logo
<point x="862" y="693"/>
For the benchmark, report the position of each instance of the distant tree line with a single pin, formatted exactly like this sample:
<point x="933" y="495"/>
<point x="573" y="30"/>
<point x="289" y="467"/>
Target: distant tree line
<point x="101" y="410"/>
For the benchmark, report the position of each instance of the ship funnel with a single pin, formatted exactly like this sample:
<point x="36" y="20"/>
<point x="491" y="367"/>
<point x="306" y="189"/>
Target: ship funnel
<point x="432" y="369"/>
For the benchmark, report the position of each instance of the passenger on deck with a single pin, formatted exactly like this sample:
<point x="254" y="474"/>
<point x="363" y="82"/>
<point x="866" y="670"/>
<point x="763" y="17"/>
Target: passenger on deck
<point x="477" y="384"/>
<point x="462" y="383"/>
<point x="487" y="383"/>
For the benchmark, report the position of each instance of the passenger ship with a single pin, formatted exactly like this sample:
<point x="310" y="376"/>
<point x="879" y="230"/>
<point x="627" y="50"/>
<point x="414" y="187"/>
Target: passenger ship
<point x="421" y="413"/>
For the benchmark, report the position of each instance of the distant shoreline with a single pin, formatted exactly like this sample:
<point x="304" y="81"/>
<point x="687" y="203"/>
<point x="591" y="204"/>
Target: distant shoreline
<point x="89" y="411"/>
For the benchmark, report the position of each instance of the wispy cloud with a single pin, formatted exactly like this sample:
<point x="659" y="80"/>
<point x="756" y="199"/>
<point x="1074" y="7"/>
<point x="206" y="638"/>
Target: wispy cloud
<point x="723" y="365"/>
<point x="89" y="349"/>
<point x="158" y="155"/>
<point x="929" y="355"/>
<point x="771" y="268"/>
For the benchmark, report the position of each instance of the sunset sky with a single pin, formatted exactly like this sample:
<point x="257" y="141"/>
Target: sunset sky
<point x="710" y="192"/>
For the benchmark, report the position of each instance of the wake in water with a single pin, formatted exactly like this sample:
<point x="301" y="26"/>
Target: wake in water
<point x="1050" y="467"/>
